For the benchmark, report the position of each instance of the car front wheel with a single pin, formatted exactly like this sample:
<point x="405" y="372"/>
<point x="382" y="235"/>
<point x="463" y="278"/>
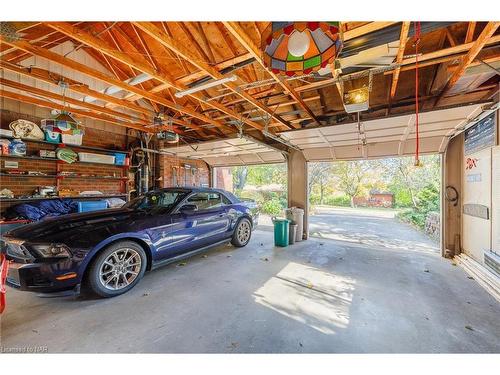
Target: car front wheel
<point x="117" y="269"/>
<point x="242" y="233"/>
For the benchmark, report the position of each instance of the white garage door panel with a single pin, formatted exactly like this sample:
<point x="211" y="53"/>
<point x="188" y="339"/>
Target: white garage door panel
<point x="232" y="151"/>
<point x="495" y="204"/>
<point x="429" y="146"/>
<point x="381" y="149"/>
<point x="477" y="190"/>
<point x="435" y="128"/>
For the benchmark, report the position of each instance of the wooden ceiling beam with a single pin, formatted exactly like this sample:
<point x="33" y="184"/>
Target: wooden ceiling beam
<point x="84" y="69"/>
<point x="366" y="29"/>
<point x="81" y="88"/>
<point x="52" y="105"/>
<point x="450" y="37"/>
<point x="237" y="31"/>
<point x="403" y="39"/>
<point x="469" y="37"/>
<point x="182" y="51"/>
<point x="208" y="47"/>
<point x="426" y="59"/>
<point x="93" y="107"/>
<point x="280" y="104"/>
<point x="474" y="50"/>
<point x="90" y="40"/>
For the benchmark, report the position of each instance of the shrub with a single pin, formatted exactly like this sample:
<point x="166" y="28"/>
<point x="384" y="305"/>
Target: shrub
<point x="428" y="201"/>
<point x="341" y="201"/>
<point x="272" y="207"/>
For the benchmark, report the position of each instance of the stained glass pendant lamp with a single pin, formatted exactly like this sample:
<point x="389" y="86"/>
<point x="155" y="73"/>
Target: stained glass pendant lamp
<point x="297" y="48"/>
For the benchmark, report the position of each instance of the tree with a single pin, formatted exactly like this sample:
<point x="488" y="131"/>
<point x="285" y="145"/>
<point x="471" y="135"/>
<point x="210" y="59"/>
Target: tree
<point x="240" y="177"/>
<point x="407" y="178"/>
<point x="319" y="175"/>
<point x="351" y="176"/>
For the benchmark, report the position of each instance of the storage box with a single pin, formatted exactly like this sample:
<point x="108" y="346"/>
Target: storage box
<point x="6" y="133"/>
<point x="92" y="206"/>
<point x="52" y="137"/>
<point x="96" y="158"/>
<point x="47" y="154"/>
<point x="120" y="158"/>
<point x="72" y="139"/>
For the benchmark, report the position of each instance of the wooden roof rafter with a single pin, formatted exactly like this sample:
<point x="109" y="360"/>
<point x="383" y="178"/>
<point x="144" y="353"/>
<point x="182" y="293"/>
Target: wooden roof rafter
<point x="84" y="69"/>
<point x="474" y="50"/>
<point x="91" y="41"/>
<point x="163" y="38"/>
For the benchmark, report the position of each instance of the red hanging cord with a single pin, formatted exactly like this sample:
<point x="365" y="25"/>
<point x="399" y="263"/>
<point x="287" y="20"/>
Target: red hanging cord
<point x="416" y="26"/>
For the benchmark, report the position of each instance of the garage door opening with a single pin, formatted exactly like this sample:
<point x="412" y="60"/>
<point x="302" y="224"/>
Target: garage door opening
<point x="387" y="203"/>
<point x="265" y="184"/>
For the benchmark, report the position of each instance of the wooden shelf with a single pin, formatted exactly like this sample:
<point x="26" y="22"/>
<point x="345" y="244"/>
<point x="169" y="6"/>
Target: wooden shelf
<point x="104" y="196"/>
<point x="121" y="171"/>
<point x="27" y="157"/>
<point x="93" y="177"/>
<point x="105" y="150"/>
<point x="28" y="175"/>
<point x="61" y="161"/>
<point x="63" y="176"/>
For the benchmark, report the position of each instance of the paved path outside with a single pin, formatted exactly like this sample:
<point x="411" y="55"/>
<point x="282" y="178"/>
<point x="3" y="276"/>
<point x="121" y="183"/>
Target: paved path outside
<point x="373" y="227"/>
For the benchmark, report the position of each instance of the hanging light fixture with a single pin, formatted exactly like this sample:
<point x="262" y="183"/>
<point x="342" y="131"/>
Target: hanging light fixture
<point x="63" y="122"/>
<point x="297" y="48"/>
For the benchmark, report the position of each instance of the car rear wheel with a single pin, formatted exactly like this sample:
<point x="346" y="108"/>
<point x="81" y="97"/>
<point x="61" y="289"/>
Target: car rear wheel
<point x="242" y="233"/>
<point x="117" y="269"/>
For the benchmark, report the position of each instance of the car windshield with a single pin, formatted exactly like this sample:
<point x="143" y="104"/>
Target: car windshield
<point x="164" y="200"/>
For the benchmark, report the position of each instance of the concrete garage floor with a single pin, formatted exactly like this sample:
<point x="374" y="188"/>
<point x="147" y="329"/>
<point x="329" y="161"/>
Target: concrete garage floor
<point x="315" y="296"/>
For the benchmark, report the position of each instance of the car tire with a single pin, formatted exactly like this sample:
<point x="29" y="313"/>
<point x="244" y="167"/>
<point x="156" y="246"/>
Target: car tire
<point x="242" y="233"/>
<point x="117" y="269"/>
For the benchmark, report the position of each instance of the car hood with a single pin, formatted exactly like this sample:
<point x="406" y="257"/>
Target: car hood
<point x="61" y="226"/>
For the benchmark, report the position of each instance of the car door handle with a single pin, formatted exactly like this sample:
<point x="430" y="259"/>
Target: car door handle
<point x="222" y="215"/>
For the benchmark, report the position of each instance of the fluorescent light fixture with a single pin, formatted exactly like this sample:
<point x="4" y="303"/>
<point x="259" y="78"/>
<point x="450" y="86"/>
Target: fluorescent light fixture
<point x="205" y="86"/>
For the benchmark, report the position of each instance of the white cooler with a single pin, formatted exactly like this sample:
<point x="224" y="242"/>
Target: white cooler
<point x="296" y="215"/>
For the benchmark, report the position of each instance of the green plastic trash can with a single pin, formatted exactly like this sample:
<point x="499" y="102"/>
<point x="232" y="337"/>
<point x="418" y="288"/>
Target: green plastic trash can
<point x="281" y="229"/>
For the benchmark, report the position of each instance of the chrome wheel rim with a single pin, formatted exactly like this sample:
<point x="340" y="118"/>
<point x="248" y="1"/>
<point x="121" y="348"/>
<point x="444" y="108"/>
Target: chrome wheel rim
<point x="120" y="269"/>
<point x="243" y="231"/>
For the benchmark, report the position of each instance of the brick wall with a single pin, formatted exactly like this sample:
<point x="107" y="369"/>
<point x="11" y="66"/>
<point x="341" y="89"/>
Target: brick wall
<point x="93" y="138"/>
<point x="173" y="172"/>
<point x="224" y="178"/>
<point x="375" y="200"/>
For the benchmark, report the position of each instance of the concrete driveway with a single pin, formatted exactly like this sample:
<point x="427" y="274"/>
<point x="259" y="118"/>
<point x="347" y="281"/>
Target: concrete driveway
<point x="374" y="227"/>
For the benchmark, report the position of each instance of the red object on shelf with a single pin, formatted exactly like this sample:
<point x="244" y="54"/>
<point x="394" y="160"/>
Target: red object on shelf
<point x="4" y="267"/>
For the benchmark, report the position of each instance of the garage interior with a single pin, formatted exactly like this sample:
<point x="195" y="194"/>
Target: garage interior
<point x="175" y="100"/>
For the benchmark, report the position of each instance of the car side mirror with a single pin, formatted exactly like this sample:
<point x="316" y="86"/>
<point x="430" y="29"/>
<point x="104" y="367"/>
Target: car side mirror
<point x="188" y="208"/>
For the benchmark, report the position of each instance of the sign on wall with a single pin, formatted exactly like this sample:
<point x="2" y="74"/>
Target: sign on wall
<point x="480" y="135"/>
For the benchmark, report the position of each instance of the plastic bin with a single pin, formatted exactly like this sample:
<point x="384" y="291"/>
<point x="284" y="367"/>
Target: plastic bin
<point x="296" y="216"/>
<point x="87" y="206"/>
<point x="72" y="139"/>
<point x="52" y="137"/>
<point x="281" y="229"/>
<point x="120" y="158"/>
<point x="96" y="158"/>
<point x="292" y="234"/>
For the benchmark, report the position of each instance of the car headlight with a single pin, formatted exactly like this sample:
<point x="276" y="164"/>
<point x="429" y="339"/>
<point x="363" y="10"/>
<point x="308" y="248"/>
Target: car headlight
<point x="53" y="250"/>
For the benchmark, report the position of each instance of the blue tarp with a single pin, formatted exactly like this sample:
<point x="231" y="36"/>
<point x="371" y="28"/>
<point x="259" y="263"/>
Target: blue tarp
<point x="38" y="210"/>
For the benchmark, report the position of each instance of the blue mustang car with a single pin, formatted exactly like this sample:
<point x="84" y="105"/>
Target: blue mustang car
<point x="110" y="250"/>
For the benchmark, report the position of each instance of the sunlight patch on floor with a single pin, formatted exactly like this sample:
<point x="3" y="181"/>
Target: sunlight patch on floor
<point x="309" y="295"/>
